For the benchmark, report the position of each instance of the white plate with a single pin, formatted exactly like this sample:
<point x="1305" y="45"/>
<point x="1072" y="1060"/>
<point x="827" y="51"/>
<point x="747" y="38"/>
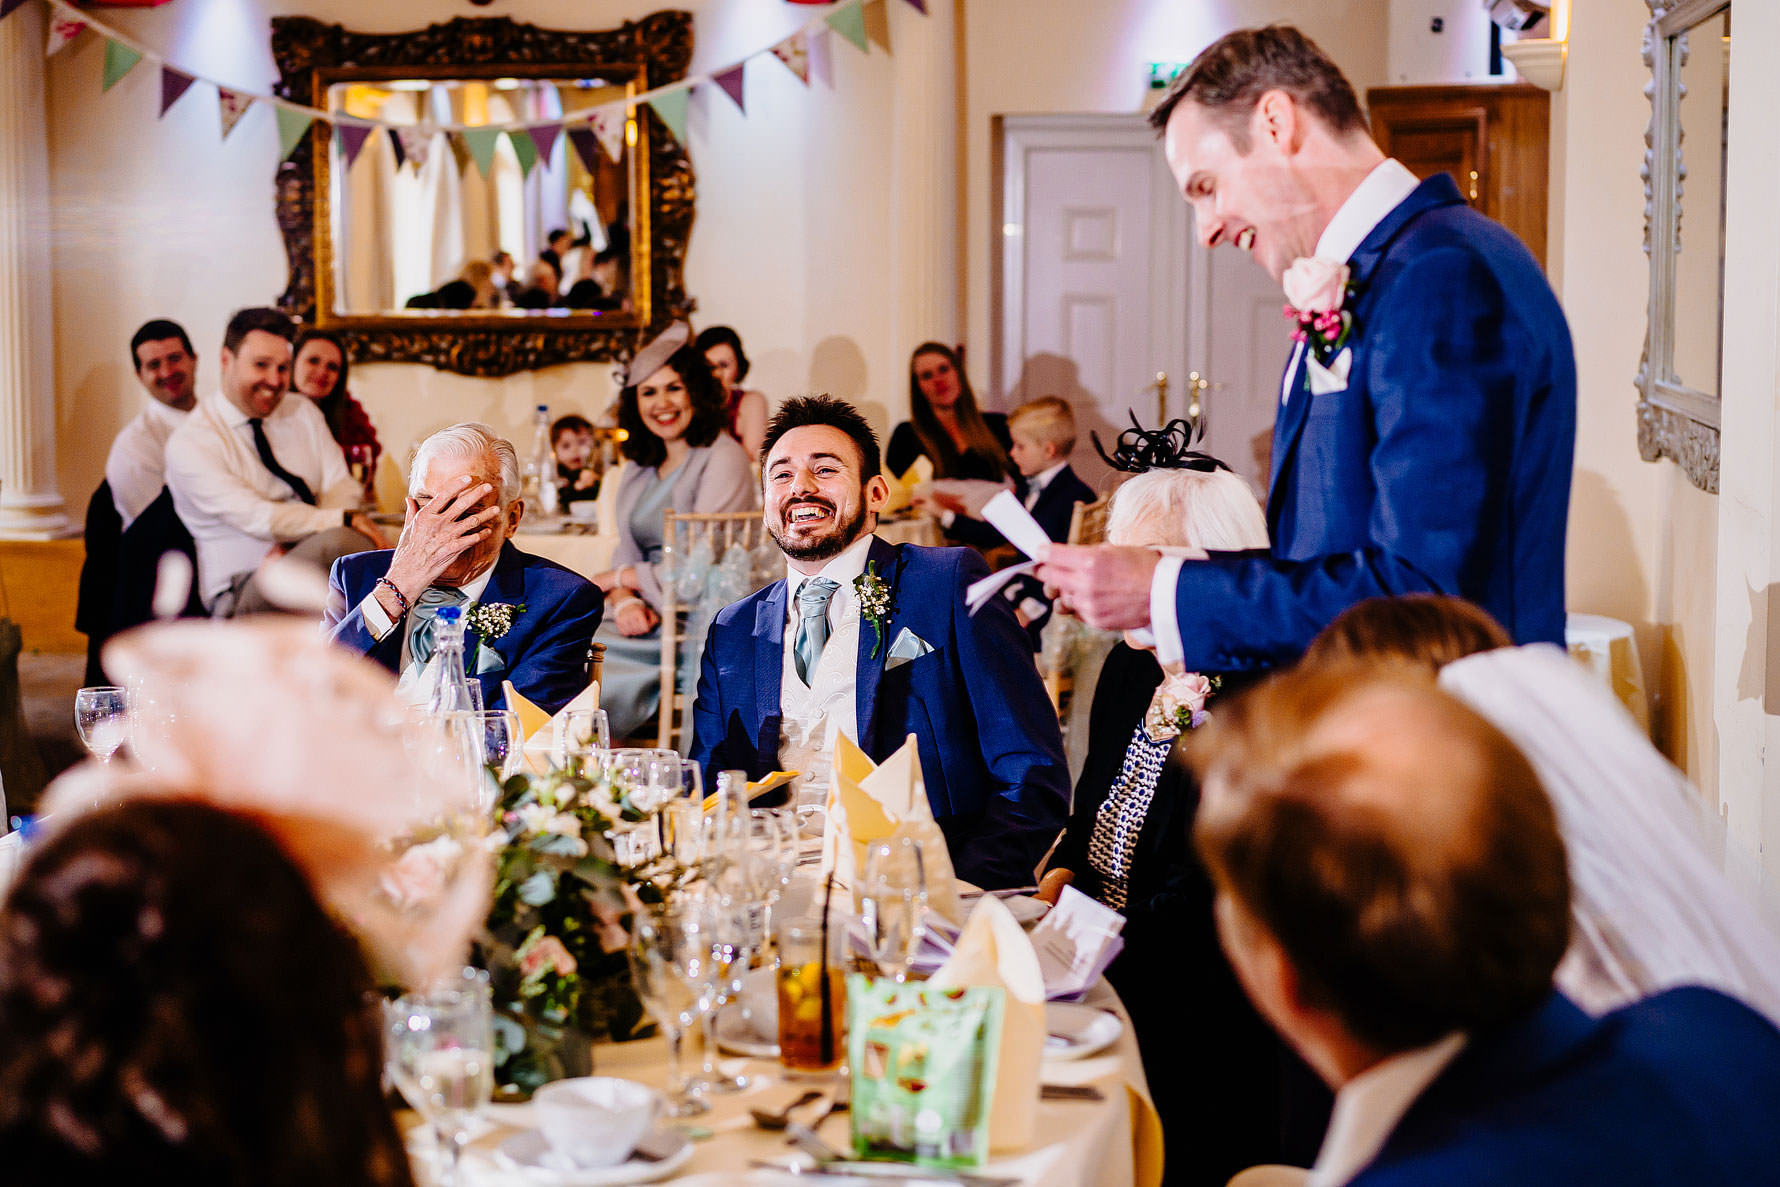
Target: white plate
<point x="660" y="1155"/>
<point x="1074" y="1031"/>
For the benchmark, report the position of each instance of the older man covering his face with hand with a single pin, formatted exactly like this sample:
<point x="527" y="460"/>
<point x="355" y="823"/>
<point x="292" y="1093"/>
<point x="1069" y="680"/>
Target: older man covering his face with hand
<point x="463" y="506"/>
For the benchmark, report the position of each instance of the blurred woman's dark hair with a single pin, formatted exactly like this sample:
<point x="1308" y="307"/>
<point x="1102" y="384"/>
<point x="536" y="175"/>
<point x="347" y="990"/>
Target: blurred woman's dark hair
<point x="935" y="440"/>
<point x="176" y="1005"/>
<point x="709" y="418"/>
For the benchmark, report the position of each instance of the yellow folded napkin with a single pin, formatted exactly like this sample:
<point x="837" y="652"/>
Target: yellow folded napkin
<point x="995" y="951"/>
<point x="539" y="728"/>
<point x="921" y="471"/>
<point x="868" y="803"/>
<point x="755" y="787"/>
<point x="899" y="497"/>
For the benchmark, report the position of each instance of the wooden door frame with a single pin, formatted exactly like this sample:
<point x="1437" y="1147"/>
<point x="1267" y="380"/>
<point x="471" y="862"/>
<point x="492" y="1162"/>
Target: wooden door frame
<point x="1178" y="286"/>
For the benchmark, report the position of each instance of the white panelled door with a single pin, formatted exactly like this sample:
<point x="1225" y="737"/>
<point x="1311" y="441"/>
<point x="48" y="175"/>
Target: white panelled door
<point x="1102" y="289"/>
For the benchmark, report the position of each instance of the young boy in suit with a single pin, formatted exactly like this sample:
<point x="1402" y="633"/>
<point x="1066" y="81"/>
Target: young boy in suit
<point x="1043" y="433"/>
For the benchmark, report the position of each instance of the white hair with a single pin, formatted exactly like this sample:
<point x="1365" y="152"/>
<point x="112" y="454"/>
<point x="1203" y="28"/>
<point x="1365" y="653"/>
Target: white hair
<point x="1213" y="510"/>
<point x="472" y="440"/>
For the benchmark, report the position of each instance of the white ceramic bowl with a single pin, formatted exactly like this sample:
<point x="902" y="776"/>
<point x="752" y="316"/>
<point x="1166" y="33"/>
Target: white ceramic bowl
<point x="595" y="1121"/>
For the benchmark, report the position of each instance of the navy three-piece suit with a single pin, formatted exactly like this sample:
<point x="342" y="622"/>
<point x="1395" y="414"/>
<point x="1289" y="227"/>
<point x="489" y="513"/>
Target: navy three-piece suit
<point x="991" y="752"/>
<point x="544" y="653"/>
<point x="1444" y="465"/>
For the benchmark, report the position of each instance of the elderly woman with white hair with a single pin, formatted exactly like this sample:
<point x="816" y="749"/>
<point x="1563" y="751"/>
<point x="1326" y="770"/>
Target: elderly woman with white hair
<point x="1213" y="1065"/>
<point x="530" y="621"/>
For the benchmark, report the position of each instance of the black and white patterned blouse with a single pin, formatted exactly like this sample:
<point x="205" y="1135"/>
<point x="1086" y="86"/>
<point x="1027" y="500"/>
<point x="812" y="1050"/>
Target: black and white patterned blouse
<point x="1121" y="816"/>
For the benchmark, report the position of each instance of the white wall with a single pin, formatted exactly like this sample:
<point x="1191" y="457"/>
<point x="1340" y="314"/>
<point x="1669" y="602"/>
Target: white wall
<point x="159" y="218"/>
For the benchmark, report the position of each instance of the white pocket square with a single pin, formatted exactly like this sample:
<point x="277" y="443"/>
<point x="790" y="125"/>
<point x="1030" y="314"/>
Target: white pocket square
<point x="488" y="660"/>
<point x="1331" y="378"/>
<point x="905" y="647"/>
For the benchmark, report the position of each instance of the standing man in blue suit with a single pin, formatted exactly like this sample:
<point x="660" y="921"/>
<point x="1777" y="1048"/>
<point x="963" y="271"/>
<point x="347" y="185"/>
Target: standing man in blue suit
<point x="463" y="504"/>
<point x="873" y="640"/>
<point x="1427" y="416"/>
<point x="1393" y="894"/>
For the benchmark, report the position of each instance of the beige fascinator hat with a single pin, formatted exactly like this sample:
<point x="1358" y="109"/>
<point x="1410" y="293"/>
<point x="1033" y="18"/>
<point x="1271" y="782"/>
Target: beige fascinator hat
<point x="654" y="356"/>
<point x="268" y="719"/>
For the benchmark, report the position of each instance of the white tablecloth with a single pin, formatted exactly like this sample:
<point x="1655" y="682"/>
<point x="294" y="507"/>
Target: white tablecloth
<point x="1115" y="1142"/>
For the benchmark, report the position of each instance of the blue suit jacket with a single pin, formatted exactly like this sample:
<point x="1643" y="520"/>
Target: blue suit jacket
<point x="545" y="651"/>
<point x="1683" y="1087"/>
<point x="1443" y="467"/>
<point x="991" y="753"/>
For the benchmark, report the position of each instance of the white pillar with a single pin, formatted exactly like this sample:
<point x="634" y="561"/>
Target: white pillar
<point x="924" y="209"/>
<point x="30" y="505"/>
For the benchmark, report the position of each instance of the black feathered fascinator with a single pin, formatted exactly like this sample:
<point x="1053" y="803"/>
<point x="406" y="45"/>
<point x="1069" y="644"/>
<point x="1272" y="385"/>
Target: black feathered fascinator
<point x="1168" y="448"/>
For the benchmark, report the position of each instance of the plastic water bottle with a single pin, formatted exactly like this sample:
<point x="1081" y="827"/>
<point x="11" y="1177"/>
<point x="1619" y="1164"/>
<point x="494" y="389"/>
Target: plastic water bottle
<point x="539" y="470"/>
<point x="448" y="690"/>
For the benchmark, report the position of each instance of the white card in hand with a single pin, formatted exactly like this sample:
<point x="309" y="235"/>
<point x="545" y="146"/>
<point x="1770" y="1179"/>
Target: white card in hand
<point x="1012" y="520"/>
<point x="979" y="592"/>
<point x="1075" y="942"/>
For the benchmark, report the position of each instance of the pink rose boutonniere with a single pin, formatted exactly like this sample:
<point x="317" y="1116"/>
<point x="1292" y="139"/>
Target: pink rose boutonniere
<point x="1179" y="705"/>
<point x="1317" y="288"/>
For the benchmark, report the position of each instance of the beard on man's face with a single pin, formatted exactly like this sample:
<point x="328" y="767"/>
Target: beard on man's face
<point x="817" y="545"/>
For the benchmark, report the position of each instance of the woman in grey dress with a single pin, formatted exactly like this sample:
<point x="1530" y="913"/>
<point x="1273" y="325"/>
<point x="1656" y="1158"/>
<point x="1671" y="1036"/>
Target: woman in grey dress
<point x="680" y="457"/>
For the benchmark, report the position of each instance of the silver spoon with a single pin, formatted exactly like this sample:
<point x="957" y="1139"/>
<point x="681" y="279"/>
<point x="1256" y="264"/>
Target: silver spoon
<point x="768" y="1119"/>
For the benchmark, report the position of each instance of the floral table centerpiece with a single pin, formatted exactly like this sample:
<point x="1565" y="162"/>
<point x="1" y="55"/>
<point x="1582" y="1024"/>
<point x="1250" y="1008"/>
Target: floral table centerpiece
<point x="555" y="940"/>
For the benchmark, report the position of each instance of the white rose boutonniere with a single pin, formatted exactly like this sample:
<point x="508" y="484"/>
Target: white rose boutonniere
<point x="1179" y="705"/>
<point x="1317" y="288"/>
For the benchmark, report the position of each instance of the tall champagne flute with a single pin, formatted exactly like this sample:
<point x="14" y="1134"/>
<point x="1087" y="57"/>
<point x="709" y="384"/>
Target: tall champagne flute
<point x="733" y="944"/>
<point x="671" y="963"/>
<point x="893" y="904"/>
<point x="100" y="715"/>
<point x="441" y="1056"/>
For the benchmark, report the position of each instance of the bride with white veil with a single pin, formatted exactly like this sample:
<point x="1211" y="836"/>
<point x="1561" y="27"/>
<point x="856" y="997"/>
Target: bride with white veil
<point x="1651" y="907"/>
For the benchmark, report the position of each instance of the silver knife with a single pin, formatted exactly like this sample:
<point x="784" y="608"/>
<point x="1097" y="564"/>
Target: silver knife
<point x="848" y="1170"/>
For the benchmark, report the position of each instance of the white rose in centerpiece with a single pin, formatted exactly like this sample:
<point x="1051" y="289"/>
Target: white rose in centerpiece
<point x="1314" y="284"/>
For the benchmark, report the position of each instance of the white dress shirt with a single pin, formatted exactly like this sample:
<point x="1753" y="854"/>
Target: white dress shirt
<point x="234" y="507"/>
<point x="1369" y="1106"/>
<point x="1035" y="485"/>
<point x="811" y="715"/>
<point x="136" y="468"/>
<point x="412" y="687"/>
<point x="1379" y="193"/>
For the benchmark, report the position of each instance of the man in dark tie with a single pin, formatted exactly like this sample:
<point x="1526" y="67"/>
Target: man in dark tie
<point x="255" y="475"/>
<point x="530" y="620"/>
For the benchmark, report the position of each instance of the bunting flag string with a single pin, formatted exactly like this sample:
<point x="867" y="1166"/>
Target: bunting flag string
<point x="805" y="53"/>
<point x="352" y="141"/>
<point x="587" y="146"/>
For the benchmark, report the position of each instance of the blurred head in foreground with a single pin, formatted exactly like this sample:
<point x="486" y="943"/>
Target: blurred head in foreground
<point x="174" y="998"/>
<point x="1388" y="869"/>
<point x="1427" y="631"/>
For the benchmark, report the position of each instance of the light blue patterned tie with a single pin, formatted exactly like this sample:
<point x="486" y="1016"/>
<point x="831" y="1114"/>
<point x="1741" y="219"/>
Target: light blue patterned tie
<point x="812" y="624"/>
<point x="426" y="609"/>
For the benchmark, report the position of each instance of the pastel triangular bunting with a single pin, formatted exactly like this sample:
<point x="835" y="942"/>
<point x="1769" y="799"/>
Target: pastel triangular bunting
<point x="62" y="30"/>
<point x="730" y="82"/>
<point x="396" y="149"/>
<point x="481" y="143"/>
<point x="291" y="126"/>
<point x="352" y="139"/>
<point x="877" y="23"/>
<point x="919" y="6"/>
<point x="794" y="51"/>
<point x="231" y="106"/>
<point x="544" y="139"/>
<point x="671" y="107"/>
<point x="174" y="83"/>
<point x="586" y="146"/>
<point x="416" y="143"/>
<point x="607" y="122"/>
<point x="460" y="153"/>
<point x="849" y="21"/>
<point x="525" y="150"/>
<point x="120" y="59"/>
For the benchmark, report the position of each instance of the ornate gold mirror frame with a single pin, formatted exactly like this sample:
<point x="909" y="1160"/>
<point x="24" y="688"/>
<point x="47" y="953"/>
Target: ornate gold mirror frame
<point x="312" y="55"/>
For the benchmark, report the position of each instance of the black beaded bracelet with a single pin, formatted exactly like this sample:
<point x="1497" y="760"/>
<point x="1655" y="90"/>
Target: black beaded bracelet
<point x="400" y="599"/>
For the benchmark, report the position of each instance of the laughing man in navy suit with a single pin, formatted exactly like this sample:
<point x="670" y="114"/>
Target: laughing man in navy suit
<point x="1393" y="894"/>
<point x="789" y="667"/>
<point x="1427" y="419"/>
<point x="463" y="505"/>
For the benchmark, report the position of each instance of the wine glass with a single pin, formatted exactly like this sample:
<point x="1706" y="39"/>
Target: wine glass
<point x="893" y="904"/>
<point x="99" y="713"/>
<point x="733" y="942"/>
<point x="489" y="739"/>
<point x="582" y="734"/>
<point x="672" y="964"/>
<point x="441" y="1057"/>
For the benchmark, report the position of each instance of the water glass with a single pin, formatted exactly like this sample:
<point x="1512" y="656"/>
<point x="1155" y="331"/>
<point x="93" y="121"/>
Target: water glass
<point x="581" y="736"/>
<point x="673" y="963"/>
<point x="734" y="941"/>
<point x="893" y="904"/>
<point x="100" y="715"/>
<point x="440" y="1055"/>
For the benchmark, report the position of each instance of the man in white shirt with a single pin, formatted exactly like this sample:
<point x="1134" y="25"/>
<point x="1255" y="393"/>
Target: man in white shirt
<point x="255" y="475"/>
<point x="1427" y="419"/>
<point x="1393" y="893"/>
<point x="167" y="370"/>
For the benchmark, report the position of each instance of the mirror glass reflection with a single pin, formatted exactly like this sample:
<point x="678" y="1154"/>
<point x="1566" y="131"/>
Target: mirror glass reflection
<point x="543" y="231"/>
<point x="1702" y="57"/>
